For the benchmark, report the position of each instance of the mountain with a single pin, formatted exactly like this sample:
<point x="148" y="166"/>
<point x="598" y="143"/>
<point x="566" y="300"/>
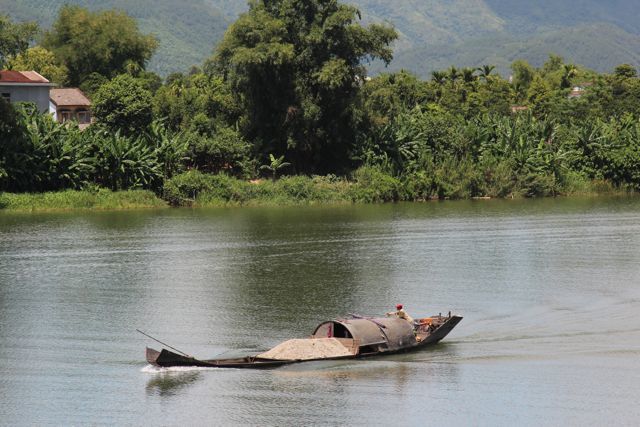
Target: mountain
<point x="597" y="34"/>
<point x="598" y="46"/>
<point x="434" y="34"/>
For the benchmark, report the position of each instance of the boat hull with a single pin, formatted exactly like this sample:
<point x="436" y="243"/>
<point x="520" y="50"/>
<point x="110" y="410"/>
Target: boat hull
<point x="166" y="358"/>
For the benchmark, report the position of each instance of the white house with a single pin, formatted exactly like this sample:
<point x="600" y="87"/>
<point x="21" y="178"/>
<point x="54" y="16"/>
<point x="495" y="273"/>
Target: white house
<point x="70" y="104"/>
<point x="25" y="86"/>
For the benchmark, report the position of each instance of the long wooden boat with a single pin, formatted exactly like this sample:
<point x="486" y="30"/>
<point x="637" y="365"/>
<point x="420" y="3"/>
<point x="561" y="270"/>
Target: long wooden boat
<point x="350" y="338"/>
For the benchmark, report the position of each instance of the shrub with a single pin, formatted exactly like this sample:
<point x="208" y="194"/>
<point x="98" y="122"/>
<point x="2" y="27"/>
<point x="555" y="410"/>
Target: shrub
<point x="374" y="185"/>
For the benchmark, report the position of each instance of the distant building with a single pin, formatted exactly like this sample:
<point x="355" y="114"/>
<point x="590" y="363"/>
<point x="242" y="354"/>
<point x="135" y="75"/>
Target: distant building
<point x="576" y="92"/>
<point x="25" y="86"/>
<point x="579" y="90"/>
<point x="70" y="104"/>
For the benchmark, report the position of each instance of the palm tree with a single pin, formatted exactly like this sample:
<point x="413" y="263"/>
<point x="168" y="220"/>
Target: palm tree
<point x="275" y="165"/>
<point x="439" y="77"/>
<point x="453" y="74"/>
<point x="467" y="75"/>
<point x="485" y="71"/>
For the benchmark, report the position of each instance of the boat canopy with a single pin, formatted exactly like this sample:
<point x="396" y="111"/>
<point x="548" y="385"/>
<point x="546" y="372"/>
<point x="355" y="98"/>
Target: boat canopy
<point x="371" y="334"/>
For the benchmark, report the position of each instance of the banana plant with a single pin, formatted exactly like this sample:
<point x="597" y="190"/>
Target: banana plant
<point x="275" y="165"/>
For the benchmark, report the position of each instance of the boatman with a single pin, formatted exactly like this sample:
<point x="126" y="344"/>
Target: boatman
<point x="401" y="314"/>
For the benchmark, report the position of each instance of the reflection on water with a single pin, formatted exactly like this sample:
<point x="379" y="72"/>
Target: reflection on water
<point x="549" y="290"/>
<point x="169" y="383"/>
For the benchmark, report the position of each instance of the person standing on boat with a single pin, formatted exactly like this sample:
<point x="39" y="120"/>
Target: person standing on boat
<point x="401" y="314"/>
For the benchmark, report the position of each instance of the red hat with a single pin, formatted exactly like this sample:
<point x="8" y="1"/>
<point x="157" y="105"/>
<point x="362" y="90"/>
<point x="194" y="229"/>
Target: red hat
<point x="399" y="307"/>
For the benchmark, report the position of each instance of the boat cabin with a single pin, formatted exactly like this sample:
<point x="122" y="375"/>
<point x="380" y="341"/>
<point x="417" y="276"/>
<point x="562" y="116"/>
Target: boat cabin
<point x="371" y="335"/>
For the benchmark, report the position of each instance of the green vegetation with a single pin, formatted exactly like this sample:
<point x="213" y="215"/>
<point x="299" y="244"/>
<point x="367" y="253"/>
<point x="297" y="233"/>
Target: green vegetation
<point x="107" y="43"/>
<point x="14" y="38"/>
<point x="123" y="104"/>
<point x="283" y="112"/>
<point x="295" y="68"/>
<point x="73" y="199"/>
<point x="39" y="58"/>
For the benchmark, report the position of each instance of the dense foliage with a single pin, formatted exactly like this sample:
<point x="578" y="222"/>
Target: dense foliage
<point x="296" y="68"/>
<point x="284" y="99"/>
<point x="97" y="42"/>
<point x="42" y="60"/>
<point x="42" y="155"/>
<point x="14" y="37"/>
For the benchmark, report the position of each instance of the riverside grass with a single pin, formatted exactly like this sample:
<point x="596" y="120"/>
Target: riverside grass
<point x="196" y="189"/>
<point x="369" y="185"/>
<point x="102" y="199"/>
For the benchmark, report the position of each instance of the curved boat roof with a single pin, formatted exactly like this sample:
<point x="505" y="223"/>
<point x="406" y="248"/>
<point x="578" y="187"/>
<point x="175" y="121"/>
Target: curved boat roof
<point x="390" y="332"/>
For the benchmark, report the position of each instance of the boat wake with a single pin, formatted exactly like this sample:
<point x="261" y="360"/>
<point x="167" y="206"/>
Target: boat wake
<point x="150" y="369"/>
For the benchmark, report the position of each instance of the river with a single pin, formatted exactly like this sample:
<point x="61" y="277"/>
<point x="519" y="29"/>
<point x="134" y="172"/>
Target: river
<point x="549" y="290"/>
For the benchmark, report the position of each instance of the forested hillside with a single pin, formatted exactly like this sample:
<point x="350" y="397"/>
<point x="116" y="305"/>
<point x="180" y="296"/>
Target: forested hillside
<point x="433" y="33"/>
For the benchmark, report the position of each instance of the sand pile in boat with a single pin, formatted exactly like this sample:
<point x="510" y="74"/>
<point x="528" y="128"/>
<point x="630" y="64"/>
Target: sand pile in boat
<point x="310" y="348"/>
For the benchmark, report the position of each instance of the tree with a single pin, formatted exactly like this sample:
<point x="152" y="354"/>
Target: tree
<point x="224" y="151"/>
<point x="41" y="60"/>
<point x="123" y="104"/>
<point x="92" y="83"/>
<point x="453" y="74"/>
<point x="467" y="76"/>
<point x="553" y="64"/>
<point x="569" y="71"/>
<point x="296" y="68"/>
<point x="523" y="74"/>
<point x="102" y="42"/>
<point x="439" y="77"/>
<point x="626" y="71"/>
<point x="485" y="71"/>
<point x="494" y="97"/>
<point x="11" y="131"/>
<point x="14" y="38"/>
<point x="387" y="95"/>
<point x="196" y="102"/>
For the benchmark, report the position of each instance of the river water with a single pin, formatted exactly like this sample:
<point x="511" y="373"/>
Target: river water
<point x="549" y="290"/>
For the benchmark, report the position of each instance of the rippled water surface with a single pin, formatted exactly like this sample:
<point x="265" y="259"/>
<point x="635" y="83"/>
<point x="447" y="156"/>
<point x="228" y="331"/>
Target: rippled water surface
<point x="550" y="292"/>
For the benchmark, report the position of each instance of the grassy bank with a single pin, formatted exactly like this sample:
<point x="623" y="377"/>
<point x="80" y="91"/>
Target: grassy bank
<point x="368" y="185"/>
<point x="71" y="199"/>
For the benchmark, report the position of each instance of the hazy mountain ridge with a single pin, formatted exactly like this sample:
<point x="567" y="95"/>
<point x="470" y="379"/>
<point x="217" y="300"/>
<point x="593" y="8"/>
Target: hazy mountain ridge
<point x="530" y="16"/>
<point x="598" y="46"/>
<point x="433" y="33"/>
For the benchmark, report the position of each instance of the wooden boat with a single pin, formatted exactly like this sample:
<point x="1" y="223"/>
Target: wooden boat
<point x="349" y="338"/>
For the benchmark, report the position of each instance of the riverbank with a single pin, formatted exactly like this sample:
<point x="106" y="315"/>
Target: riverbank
<point x="195" y="189"/>
<point x="77" y="200"/>
<point x="367" y="185"/>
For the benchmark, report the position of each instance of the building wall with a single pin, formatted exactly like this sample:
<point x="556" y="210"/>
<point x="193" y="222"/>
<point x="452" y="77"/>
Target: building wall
<point x="36" y="94"/>
<point x="53" y="111"/>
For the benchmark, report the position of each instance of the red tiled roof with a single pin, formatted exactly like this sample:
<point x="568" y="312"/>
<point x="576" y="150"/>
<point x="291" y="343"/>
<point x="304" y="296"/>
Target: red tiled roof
<point x="68" y="97"/>
<point x="10" y="76"/>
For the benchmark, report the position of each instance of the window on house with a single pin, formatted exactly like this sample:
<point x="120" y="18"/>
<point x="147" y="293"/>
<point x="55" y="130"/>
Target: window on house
<point x="6" y="96"/>
<point x="65" y="115"/>
<point x="83" y="116"/>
